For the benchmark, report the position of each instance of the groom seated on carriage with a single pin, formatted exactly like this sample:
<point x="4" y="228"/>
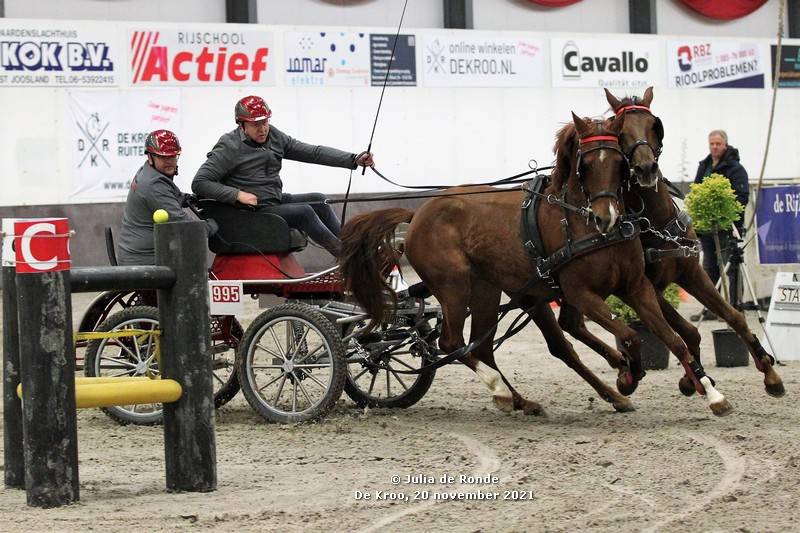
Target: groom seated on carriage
<point x="152" y="188"/>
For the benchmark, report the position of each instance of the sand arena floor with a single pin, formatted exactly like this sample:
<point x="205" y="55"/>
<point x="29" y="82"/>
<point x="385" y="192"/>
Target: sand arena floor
<point x="670" y="465"/>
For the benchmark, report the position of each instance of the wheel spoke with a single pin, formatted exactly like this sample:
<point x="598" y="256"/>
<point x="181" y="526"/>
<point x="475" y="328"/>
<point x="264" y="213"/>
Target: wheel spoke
<point x="309" y="354"/>
<point x="397" y="377"/>
<point x="116" y="361"/>
<point x="272" y="381"/>
<point x="314" y="379"/>
<point x="119" y="344"/>
<point x="300" y="342"/>
<point x="277" y="343"/>
<point x="388" y="385"/>
<point x="294" y="395"/>
<point x="316" y="365"/>
<point x="403" y="363"/>
<point x="303" y="390"/>
<point x="366" y="369"/>
<point x="254" y="367"/>
<point x="372" y="383"/>
<point x="280" y="389"/>
<point x="273" y="354"/>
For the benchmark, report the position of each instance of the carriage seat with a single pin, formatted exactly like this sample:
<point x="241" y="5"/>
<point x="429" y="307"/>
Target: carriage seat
<point x="244" y="231"/>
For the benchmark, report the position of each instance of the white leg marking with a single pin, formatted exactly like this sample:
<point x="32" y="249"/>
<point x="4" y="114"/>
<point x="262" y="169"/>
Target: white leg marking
<point x="713" y="395"/>
<point x="602" y="156"/>
<point x="493" y="380"/>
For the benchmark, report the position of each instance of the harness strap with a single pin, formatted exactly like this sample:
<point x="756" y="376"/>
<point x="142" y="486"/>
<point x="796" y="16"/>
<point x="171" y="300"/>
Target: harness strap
<point x="653" y="255"/>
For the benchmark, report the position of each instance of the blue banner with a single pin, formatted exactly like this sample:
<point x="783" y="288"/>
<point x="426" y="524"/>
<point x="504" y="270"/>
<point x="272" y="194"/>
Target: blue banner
<point x="778" y="222"/>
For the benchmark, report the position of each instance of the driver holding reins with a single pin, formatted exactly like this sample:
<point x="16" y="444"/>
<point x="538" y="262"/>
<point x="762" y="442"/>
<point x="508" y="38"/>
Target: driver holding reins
<point x="244" y="168"/>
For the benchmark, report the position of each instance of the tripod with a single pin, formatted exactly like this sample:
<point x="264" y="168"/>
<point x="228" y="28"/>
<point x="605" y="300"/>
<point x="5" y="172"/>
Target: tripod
<point x="740" y="275"/>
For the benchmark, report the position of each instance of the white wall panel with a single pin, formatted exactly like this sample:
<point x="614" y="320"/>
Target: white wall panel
<point x="589" y="16"/>
<point x="382" y="13"/>
<point x="424" y="135"/>
<point x="160" y="10"/>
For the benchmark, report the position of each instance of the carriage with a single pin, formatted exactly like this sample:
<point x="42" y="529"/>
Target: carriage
<point x="295" y="359"/>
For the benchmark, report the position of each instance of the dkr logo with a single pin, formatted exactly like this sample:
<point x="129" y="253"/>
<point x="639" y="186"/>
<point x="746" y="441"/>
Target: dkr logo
<point x="41" y="245"/>
<point x="685" y="58"/>
<point x="93" y="145"/>
<point x="155" y="62"/>
<point x="55" y="56"/>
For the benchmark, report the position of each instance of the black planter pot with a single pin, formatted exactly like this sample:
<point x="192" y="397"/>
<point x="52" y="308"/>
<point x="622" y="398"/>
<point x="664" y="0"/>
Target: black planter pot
<point x="654" y="353"/>
<point x="729" y="349"/>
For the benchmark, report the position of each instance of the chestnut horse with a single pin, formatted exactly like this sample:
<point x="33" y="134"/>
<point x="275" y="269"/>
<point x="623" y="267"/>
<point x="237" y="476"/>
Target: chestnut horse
<point x="642" y="129"/>
<point x="467" y="250"/>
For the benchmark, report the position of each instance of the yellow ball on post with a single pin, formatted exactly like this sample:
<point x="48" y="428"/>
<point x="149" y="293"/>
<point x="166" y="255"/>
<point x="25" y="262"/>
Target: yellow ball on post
<point x="160" y="215"/>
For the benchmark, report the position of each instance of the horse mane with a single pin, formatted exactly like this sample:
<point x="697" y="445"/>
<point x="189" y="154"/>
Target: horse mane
<point x="566" y="146"/>
<point x="630" y="100"/>
<point x="563" y="148"/>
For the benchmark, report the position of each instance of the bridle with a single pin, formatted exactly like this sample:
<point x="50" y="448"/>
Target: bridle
<point x="604" y="142"/>
<point x="633" y="108"/>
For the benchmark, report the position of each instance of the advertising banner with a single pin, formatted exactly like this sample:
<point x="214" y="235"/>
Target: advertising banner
<point x="482" y="60"/>
<point x="325" y="58"/>
<point x="789" y="68"/>
<point x="403" y="71"/>
<point x="200" y="56"/>
<point x="41" y="245"/>
<point x="778" y="222"/>
<point x="43" y="53"/>
<point x="611" y="63"/>
<point x="107" y="133"/>
<point x="719" y="64"/>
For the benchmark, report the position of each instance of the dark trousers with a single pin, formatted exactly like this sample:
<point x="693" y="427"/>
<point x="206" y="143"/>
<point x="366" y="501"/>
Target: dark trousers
<point x="309" y="213"/>
<point x="727" y="242"/>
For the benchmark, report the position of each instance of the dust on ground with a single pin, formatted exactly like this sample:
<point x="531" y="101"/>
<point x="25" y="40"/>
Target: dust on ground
<point x="670" y="465"/>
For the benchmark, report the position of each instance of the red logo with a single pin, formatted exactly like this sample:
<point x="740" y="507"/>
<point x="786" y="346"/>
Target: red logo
<point x="41" y="245"/>
<point x="152" y="62"/>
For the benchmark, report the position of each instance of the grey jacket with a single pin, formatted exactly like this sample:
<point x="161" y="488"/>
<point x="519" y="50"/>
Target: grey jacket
<point x="238" y="163"/>
<point x="150" y="190"/>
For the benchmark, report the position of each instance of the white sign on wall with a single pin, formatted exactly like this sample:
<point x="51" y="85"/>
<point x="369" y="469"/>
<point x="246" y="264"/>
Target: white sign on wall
<point x="42" y="53"/>
<point x="612" y="63"/>
<point x="720" y="64"/>
<point x="783" y="320"/>
<point x="326" y="58"/>
<point x="108" y="130"/>
<point x="200" y="55"/>
<point x="482" y="60"/>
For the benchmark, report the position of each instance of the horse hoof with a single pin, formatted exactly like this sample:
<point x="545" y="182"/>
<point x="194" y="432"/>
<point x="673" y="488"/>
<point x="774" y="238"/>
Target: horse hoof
<point x="775" y="390"/>
<point x="626" y="385"/>
<point x="533" y="408"/>
<point x="624" y="406"/>
<point x="721" y="408"/>
<point x="686" y="386"/>
<point x="504" y="404"/>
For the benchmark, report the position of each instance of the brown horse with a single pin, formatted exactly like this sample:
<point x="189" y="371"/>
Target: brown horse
<point x="640" y="128"/>
<point x="467" y="249"/>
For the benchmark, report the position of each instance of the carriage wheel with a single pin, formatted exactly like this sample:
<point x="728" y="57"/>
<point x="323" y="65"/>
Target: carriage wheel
<point x="291" y="364"/>
<point x="372" y="377"/>
<point x="136" y="356"/>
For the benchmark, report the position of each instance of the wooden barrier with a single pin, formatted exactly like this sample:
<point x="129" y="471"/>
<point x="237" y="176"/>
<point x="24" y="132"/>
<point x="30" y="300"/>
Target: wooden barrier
<point x="46" y="371"/>
<point x="107" y="392"/>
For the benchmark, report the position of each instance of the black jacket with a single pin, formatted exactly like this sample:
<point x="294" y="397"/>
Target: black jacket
<point x="729" y="167"/>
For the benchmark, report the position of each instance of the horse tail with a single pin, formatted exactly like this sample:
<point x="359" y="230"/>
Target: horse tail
<point x="367" y="257"/>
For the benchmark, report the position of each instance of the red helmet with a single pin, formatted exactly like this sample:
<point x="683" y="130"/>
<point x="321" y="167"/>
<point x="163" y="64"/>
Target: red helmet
<point x="162" y="142"/>
<point x="252" y="109"/>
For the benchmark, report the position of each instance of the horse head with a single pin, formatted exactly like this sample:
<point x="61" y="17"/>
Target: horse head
<point x="597" y="167"/>
<point x="641" y="136"/>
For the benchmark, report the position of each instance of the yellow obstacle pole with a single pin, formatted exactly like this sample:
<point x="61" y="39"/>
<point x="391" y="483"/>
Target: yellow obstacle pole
<point x="128" y="391"/>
